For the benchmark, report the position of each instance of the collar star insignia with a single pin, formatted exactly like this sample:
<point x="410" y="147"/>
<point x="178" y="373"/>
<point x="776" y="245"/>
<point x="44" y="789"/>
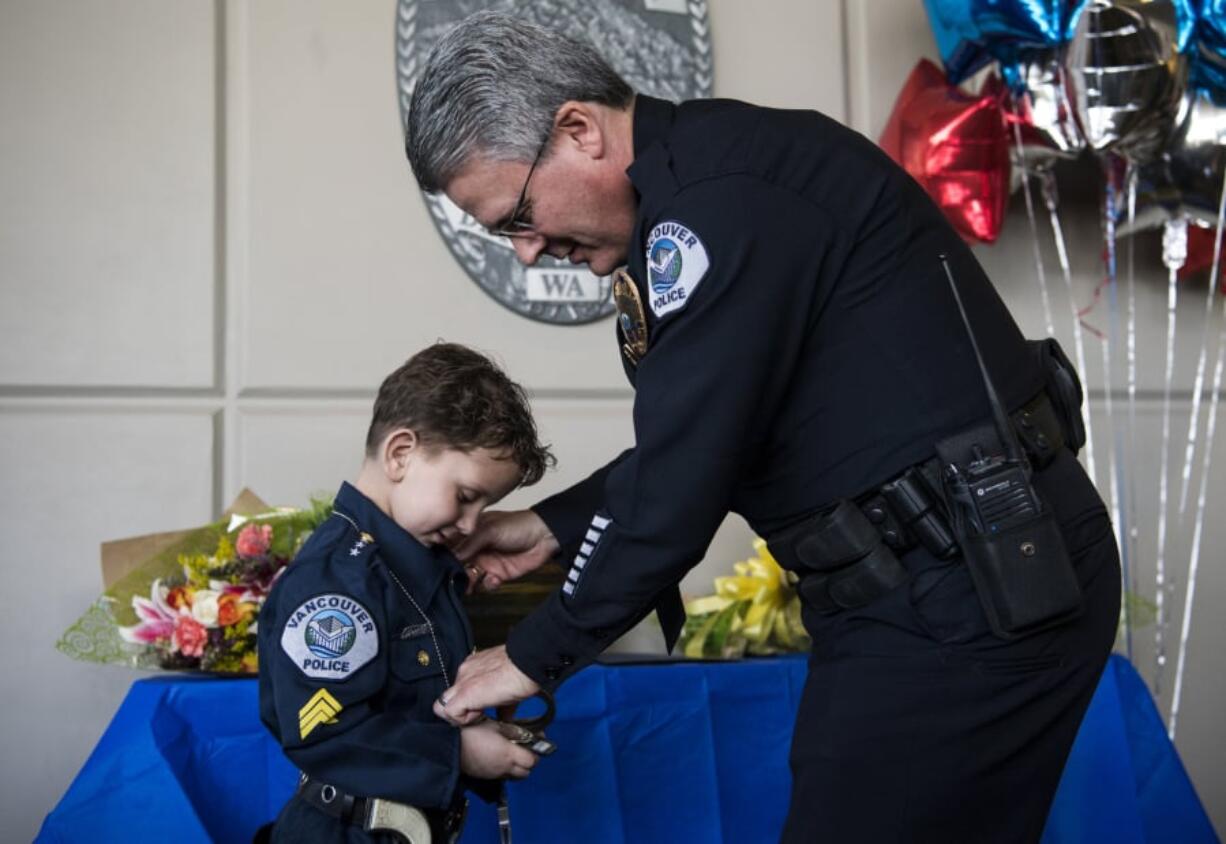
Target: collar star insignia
<point x="363" y="540"/>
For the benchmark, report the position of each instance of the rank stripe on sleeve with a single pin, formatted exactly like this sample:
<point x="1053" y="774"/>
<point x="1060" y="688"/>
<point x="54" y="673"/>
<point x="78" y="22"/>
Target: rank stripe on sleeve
<point x="591" y="540"/>
<point x="322" y="708"/>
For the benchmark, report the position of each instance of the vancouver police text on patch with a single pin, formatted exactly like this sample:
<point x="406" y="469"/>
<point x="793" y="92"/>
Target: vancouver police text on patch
<point x="676" y="263"/>
<point x="330" y="636"/>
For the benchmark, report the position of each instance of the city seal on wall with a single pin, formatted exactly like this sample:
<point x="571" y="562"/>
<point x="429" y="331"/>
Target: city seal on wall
<point x="661" y="47"/>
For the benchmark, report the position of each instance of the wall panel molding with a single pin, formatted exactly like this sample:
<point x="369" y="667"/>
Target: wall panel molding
<point x="107" y="234"/>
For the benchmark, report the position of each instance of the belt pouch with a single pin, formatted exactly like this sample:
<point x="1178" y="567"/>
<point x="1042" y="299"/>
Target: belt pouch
<point x="848" y="564"/>
<point x="1022" y="572"/>
<point x="1024" y="577"/>
<point x="1063" y="388"/>
<point x="835" y="537"/>
<point x="916" y="506"/>
<point x="861" y="583"/>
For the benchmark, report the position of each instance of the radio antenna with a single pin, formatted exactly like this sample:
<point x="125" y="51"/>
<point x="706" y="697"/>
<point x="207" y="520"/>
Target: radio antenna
<point x="1003" y="428"/>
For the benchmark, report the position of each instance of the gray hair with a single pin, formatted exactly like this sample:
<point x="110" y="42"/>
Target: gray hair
<point x="492" y="86"/>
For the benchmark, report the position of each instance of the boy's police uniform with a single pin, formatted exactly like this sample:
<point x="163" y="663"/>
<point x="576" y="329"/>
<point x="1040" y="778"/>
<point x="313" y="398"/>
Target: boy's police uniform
<point x="358" y="637"/>
<point x="800" y="345"/>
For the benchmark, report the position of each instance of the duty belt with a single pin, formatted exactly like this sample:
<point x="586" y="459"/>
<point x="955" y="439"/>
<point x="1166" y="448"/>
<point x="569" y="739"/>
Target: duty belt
<point x="877" y="527"/>
<point x="411" y="824"/>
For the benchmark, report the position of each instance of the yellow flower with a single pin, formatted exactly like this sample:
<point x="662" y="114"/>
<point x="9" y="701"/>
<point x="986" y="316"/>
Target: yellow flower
<point x="224" y="552"/>
<point x="755" y="609"/>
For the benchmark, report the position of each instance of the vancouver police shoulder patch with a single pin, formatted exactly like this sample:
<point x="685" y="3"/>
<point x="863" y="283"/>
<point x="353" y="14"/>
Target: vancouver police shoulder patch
<point x="330" y="636"/>
<point x="676" y="262"/>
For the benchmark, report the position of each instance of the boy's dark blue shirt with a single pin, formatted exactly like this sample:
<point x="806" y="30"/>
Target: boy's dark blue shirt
<point x="350" y="668"/>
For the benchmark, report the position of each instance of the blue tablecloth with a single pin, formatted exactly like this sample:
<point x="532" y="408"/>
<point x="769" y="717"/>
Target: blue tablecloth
<point x="691" y="752"/>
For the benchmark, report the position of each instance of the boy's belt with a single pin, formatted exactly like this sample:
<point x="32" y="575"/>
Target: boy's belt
<point x="847" y="560"/>
<point x="414" y="825"/>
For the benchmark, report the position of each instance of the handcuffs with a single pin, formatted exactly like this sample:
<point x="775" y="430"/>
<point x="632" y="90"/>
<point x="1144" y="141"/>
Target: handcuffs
<point x="530" y="732"/>
<point x="411" y="823"/>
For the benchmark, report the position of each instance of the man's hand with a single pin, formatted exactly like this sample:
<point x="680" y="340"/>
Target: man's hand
<point x="486" y="754"/>
<point x="504" y="546"/>
<point x="487" y="678"/>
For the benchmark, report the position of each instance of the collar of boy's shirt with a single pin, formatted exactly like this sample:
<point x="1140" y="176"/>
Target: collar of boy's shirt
<point x="421" y="569"/>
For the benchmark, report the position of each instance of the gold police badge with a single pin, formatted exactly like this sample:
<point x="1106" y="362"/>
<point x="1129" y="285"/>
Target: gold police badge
<point x="631" y="319"/>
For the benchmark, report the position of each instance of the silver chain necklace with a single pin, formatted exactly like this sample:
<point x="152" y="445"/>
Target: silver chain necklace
<point x="429" y="624"/>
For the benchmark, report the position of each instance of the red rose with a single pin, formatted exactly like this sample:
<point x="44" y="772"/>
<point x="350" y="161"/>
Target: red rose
<point x="253" y="540"/>
<point x="190" y="636"/>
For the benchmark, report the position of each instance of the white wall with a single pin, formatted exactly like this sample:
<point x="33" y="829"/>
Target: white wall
<point x="211" y="251"/>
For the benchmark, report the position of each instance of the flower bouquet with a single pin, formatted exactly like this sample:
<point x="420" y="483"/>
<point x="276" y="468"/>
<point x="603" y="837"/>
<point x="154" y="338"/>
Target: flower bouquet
<point x="189" y="600"/>
<point x="755" y="611"/>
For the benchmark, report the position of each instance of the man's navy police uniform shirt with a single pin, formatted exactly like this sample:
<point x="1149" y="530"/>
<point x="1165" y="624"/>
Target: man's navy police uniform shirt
<point x="803" y="346"/>
<point x="349" y="668"/>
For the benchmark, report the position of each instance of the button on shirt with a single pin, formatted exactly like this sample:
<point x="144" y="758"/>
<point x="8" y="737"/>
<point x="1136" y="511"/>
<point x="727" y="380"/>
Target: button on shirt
<point x="803" y="346"/>
<point x="354" y="710"/>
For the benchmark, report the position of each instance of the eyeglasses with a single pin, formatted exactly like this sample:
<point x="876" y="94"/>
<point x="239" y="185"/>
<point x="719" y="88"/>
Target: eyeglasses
<point x="519" y="224"/>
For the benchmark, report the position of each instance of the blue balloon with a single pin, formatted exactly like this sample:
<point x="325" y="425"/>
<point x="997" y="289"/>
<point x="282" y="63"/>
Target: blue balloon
<point x="1202" y="30"/>
<point x="971" y="33"/>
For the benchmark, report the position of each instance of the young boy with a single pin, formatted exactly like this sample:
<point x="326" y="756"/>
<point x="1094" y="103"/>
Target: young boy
<point x="365" y="628"/>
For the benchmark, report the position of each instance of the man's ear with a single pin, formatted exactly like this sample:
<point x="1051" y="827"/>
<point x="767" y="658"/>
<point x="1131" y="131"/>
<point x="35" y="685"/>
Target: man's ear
<point x="399" y="446"/>
<point x="580" y="126"/>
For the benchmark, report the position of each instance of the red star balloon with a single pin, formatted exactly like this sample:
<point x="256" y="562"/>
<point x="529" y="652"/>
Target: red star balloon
<point x="955" y="146"/>
<point x="1200" y="255"/>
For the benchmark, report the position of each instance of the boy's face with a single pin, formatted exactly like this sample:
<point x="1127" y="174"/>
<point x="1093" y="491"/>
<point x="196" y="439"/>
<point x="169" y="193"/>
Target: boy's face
<point x="442" y="490"/>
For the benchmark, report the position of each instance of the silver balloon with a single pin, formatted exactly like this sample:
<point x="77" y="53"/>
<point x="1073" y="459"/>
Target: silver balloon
<point x="1185" y="178"/>
<point x="1127" y="75"/>
<point x="1048" y="126"/>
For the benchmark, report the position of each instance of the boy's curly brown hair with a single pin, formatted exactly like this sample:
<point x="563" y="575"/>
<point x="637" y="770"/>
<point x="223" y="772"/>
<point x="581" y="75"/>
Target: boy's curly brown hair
<point x="455" y="397"/>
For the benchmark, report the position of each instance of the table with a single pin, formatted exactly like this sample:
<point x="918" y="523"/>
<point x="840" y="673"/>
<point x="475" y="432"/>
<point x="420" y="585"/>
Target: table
<point x="648" y="752"/>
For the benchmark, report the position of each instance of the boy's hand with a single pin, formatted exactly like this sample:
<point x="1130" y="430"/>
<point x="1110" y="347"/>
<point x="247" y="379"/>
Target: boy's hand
<point x="505" y="545"/>
<point x="486" y="754"/>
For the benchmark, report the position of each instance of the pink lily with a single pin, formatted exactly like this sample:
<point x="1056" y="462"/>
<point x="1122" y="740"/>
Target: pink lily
<point x="157" y="619"/>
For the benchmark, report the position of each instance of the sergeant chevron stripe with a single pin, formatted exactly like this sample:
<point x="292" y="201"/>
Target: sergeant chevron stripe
<point x="322" y="708"/>
<point x="590" y="539"/>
